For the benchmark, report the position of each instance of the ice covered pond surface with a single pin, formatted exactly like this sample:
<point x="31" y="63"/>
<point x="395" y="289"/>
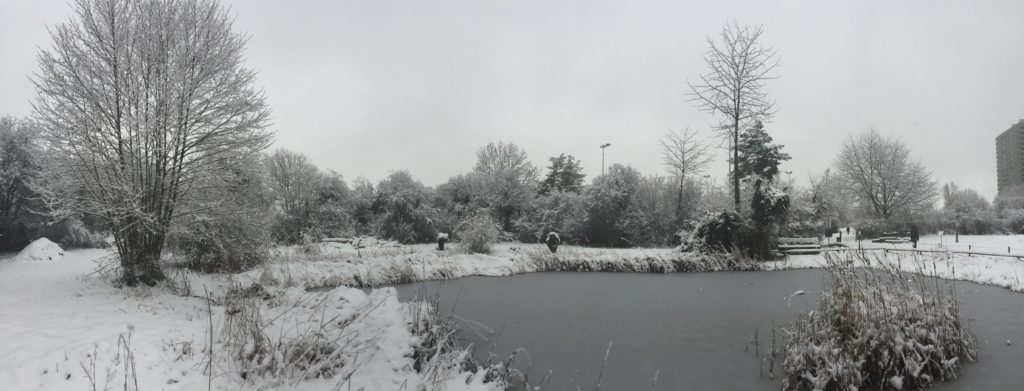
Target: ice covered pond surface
<point x="692" y="329"/>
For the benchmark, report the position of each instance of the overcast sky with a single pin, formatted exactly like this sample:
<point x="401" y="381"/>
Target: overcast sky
<point x="367" y="87"/>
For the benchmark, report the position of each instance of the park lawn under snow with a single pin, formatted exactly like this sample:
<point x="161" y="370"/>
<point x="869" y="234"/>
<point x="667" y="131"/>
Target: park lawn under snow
<point x="55" y="314"/>
<point x="1006" y="272"/>
<point x="56" y="317"/>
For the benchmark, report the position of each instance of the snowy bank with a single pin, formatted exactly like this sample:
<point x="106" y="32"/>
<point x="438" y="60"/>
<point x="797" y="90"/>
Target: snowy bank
<point x="64" y="328"/>
<point x="1006" y="272"/>
<point x="420" y="263"/>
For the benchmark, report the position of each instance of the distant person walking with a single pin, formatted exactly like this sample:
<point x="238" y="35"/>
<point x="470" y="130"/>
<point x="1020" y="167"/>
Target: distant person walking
<point x="914" y="235"/>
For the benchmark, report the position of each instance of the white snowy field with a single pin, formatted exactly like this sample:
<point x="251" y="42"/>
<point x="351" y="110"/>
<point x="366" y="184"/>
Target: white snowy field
<point x="945" y="258"/>
<point x="979" y="243"/>
<point x="61" y="328"/>
<point x="61" y="325"/>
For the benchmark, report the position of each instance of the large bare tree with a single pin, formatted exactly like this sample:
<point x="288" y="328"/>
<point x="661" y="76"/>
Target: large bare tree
<point x="141" y="100"/>
<point x="882" y="174"/>
<point x="510" y="179"/>
<point x="733" y="88"/>
<point x="683" y="154"/>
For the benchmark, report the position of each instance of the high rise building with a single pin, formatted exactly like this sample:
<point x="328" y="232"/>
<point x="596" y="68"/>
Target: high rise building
<point x="1010" y="157"/>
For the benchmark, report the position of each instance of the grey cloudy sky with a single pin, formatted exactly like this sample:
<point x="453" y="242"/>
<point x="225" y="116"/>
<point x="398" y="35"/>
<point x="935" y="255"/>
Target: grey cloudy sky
<point x="367" y="87"/>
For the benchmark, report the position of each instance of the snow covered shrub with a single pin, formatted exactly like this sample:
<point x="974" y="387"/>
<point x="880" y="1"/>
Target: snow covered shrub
<point x="72" y="233"/>
<point x="878" y="329"/>
<point x="564" y="212"/>
<point x="478" y="233"/>
<point x="223" y="244"/>
<point x="307" y="200"/>
<point x="613" y="218"/>
<point x="1013" y="221"/>
<point x="769" y="207"/>
<point x="982" y="222"/>
<point x="610" y="260"/>
<point x="402" y="210"/>
<point x="725" y="231"/>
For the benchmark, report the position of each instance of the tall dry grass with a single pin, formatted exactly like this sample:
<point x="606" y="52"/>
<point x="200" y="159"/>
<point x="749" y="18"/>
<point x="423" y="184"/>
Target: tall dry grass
<point x="879" y="328"/>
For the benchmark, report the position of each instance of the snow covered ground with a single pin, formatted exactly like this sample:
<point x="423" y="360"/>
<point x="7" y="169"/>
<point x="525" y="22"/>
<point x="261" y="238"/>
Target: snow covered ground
<point x="63" y="328"/>
<point x="981" y="243"/>
<point x="947" y="260"/>
<point x="1005" y="272"/>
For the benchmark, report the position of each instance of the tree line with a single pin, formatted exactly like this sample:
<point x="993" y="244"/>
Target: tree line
<point x="149" y="129"/>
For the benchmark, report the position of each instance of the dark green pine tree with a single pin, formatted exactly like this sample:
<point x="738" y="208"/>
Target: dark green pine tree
<point x="758" y="156"/>
<point x="564" y="174"/>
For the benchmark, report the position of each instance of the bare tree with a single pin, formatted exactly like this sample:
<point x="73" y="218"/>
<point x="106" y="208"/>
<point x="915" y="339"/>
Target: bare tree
<point x="140" y="100"/>
<point x="733" y="88"/>
<point x="881" y="173"/>
<point x="292" y="181"/>
<point x="949" y="193"/>
<point x="510" y="179"/>
<point x="683" y="154"/>
<point x="506" y="157"/>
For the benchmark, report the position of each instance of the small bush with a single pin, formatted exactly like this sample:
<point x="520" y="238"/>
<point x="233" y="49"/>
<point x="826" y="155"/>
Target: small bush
<point x="221" y="244"/>
<point x="71" y="233"/>
<point x="1013" y="221"/>
<point x="877" y="329"/>
<point x="478" y="233"/>
<point x="722" y="232"/>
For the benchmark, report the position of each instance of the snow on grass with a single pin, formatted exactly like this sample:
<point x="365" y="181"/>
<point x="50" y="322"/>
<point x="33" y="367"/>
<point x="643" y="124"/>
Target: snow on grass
<point x="340" y="266"/>
<point x="64" y="328"/>
<point x="1006" y="272"/>
<point x="54" y="320"/>
<point x="981" y="243"/>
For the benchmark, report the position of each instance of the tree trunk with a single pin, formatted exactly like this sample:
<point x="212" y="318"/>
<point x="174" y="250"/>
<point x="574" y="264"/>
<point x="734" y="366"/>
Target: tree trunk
<point x="679" y="199"/>
<point x="736" y="163"/>
<point x="139" y="252"/>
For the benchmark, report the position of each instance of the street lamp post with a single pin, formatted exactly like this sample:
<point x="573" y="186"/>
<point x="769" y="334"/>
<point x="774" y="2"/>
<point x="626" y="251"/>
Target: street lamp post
<point x="605" y="145"/>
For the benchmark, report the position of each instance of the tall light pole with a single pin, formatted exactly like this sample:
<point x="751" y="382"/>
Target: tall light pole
<point x="605" y="145"/>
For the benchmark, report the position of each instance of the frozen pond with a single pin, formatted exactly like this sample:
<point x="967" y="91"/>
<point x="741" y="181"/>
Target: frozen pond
<point x="693" y="329"/>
